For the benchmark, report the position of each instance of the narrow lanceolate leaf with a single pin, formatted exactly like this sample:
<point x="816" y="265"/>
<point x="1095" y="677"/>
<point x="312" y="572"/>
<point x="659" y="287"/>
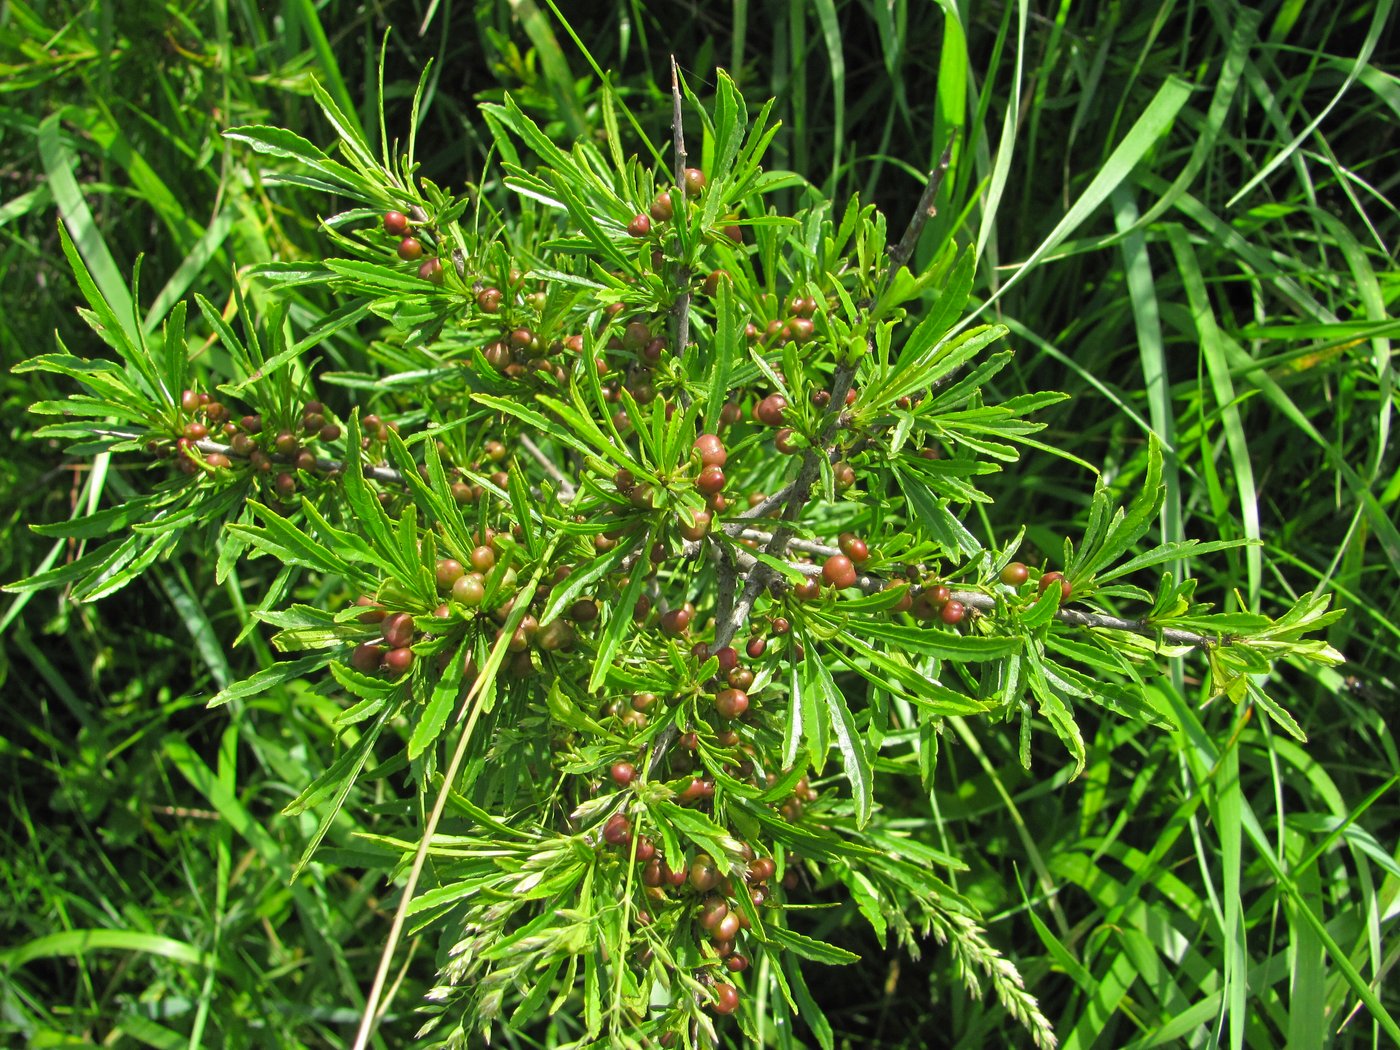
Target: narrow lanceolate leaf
<point x="809" y="947"/>
<point x="620" y="623"/>
<point x="434" y="718"/>
<point x="849" y="739"/>
<point x="336" y="783"/>
<point x="269" y="677"/>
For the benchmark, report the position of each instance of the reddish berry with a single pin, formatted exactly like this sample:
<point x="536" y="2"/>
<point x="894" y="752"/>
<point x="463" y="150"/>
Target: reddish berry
<point x="726" y="999"/>
<point x="639" y="226"/>
<point x="770" y="410"/>
<point x="704" y="876"/>
<point x="854" y="547"/>
<point x="410" y="250"/>
<point x="694" y="180"/>
<point x="661" y="209"/>
<point x="397" y="629"/>
<point x="710" y="480"/>
<point x="675" y="621"/>
<point x="953" y="612"/>
<point x="731" y="703"/>
<point x="431" y="270"/>
<point x="839" y="572"/>
<point x="761" y="869"/>
<point x="1065" y="587"/>
<point x="397" y="661"/>
<point x="449" y="571"/>
<point x="756" y="647"/>
<point x="617" y="831"/>
<point x="736" y="963"/>
<point x="808" y="590"/>
<point x="395" y="223"/>
<point x="1015" y="574"/>
<point x="623" y="773"/>
<point x="712" y="912"/>
<point x="366" y="657"/>
<point x="711" y="449"/>
<point x="696" y="526"/>
<point x="469" y="589"/>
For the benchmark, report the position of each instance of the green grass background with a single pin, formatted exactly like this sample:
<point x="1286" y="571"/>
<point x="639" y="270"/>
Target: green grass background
<point x="1184" y="211"/>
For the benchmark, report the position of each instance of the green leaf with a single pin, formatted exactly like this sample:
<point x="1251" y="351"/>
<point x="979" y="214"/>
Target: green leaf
<point x="269" y="677"/>
<point x="809" y="948"/>
<point x="445" y="693"/>
<point x="849" y="740"/>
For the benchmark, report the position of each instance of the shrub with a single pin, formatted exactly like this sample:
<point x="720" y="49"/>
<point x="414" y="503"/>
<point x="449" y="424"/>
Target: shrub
<point x="651" y="567"/>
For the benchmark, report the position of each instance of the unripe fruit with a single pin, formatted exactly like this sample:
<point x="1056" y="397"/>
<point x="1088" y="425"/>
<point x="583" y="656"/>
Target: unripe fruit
<point x="712" y="282"/>
<point x="801" y="329"/>
<point x="694" y="180"/>
<point x="838" y="571"/>
<point x="710" y="480"/>
<point x="635" y="336"/>
<point x="661" y="209"/>
<point x="651" y="874"/>
<point x="483" y="558"/>
<point x="1015" y="574"/>
<point x="397" y="629"/>
<point x="854" y="547"/>
<point x="617" y="831"/>
<point x="623" y="773"/>
<point x="489" y="299"/>
<point x="726" y="999"/>
<point x="643" y="701"/>
<point x="639" y="226"/>
<point x="395" y="223"/>
<point x="782" y="441"/>
<point x="431" y="270"/>
<point x="711" y="449"/>
<point x="469" y="590"/>
<point x="704" y="876"/>
<point x="731" y="703"/>
<point x="736" y="963"/>
<point x="712" y="912"/>
<point x="761" y="869"/>
<point x="696" y="526"/>
<point x="365" y="657"/>
<point x="727" y="928"/>
<point x="675" y="621"/>
<point x="843" y="474"/>
<point x="770" y="410"/>
<point x="556" y="635"/>
<point x="1066" y="589"/>
<point x="953" y="612"/>
<point x="397" y="661"/>
<point x="449" y="571"/>
<point x="728" y="658"/>
<point x="410" y="250"/>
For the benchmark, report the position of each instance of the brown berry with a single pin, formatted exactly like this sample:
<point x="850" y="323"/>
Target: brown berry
<point x="1015" y="574"/>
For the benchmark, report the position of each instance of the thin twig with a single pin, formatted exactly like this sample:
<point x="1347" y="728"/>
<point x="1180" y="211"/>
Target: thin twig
<point x="681" y="308"/>
<point x="566" y="487"/>
<point x="901" y="253"/>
